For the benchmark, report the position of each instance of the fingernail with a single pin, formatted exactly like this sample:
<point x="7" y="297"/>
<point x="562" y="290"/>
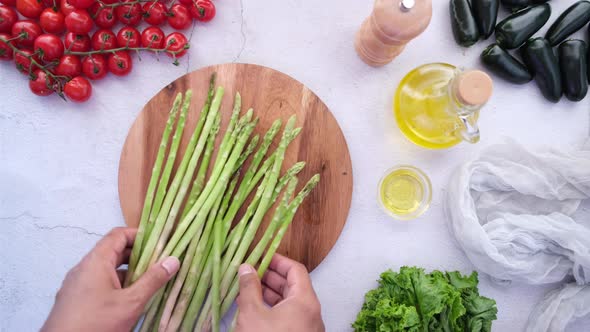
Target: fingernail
<point x="171" y="264"/>
<point x="245" y="269"/>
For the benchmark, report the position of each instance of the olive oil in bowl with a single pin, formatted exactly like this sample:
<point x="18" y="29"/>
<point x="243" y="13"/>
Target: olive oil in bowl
<point x="405" y="192"/>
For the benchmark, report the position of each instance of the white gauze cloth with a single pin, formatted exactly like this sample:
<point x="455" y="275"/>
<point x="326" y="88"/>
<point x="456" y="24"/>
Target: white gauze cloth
<point x="560" y="307"/>
<point x="516" y="215"/>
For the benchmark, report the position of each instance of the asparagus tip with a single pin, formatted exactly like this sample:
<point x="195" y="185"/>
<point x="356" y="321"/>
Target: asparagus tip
<point x="255" y="140"/>
<point x="295" y="133"/>
<point x="296" y="168"/>
<point x="276" y="125"/>
<point x="312" y="183"/>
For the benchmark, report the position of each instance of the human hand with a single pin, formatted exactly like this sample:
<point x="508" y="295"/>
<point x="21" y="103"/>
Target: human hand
<point x="287" y="289"/>
<point x="91" y="297"/>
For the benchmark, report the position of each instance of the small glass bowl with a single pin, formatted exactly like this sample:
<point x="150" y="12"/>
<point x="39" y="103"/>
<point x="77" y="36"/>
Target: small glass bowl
<point x="411" y="176"/>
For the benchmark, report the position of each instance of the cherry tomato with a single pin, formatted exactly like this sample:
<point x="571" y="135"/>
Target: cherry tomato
<point x="82" y="4"/>
<point x="153" y="37"/>
<point x="49" y="47"/>
<point x="79" y="21"/>
<point x="52" y="21"/>
<point x="11" y="3"/>
<point x="129" y="14"/>
<point x="104" y="39"/>
<point x="28" y="30"/>
<point x="69" y="65"/>
<point x="104" y="17"/>
<point x="154" y="13"/>
<point x="8" y="17"/>
<point x="120" y="63"/>
<point x="65" y="7"/>
<point x="187" y="3"/>
<point x="23" y="61"/>
<point x="78" y="89"/>
<point x="94" y="66"/>
<point x="128" y="37"/>
<point x="176" y="42"/>
<point x="76" y="42"/>
<point x="51" y="4"/>
<point x="41" y="84"/>
<point x="179" y="17"/>
<point x="5" y="49"/>
<point x="29" y="8"/>
<point x="203" y="10"/>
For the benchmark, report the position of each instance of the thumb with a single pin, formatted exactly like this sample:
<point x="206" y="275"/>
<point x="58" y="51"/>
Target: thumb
<point x="250" y="289"/>
<point x="155" y="278"/>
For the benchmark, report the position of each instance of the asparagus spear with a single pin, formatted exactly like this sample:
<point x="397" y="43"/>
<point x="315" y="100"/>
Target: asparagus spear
<point x="253" y="181"/>
<point x="269" y="162"/>
<point x="163" y="303"/>
<point x="152" y="312"/>
<point x="194" y="252"/>
<point x="219" y="185"/>
<point x="185" y="183"/>
<point x="143" y="258"/>
<point x="194" y="247"/>
<point x="258" y="250"/>
<point x="217" y="247"/>
<point x="236" y="235"/>
<point x="163" y="185"/>
<point x="254" y="256"/>
<point x="193" y="292"/>
<point x="288" y="218"/>
<point x="249" y="150"/>
<point x="180" y="239"/>
<point x="199" y="182"/>
<point x="262" y="208"/>
<point x="274" y="224"/>
<point x="204" y="198"/>
<point x="199" y="294"/>
<point x="253" y="175"/>
<point x="149" y="196"/>
<point x="163" y="215"/>
<point x="286" y="221"/>
<point x="153" y="306"/>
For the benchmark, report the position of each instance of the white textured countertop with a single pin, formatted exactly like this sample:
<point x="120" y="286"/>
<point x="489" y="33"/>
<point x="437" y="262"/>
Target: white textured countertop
<point x="59" y="161"/>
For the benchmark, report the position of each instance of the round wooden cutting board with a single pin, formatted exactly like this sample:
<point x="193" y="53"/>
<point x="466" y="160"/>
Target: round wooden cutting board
<point x="273" y="95"/>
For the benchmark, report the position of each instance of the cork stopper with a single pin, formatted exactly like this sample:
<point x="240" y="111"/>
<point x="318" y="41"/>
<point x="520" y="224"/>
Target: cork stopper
<point x="473" y="87"/>
<point x="393" y="23"/>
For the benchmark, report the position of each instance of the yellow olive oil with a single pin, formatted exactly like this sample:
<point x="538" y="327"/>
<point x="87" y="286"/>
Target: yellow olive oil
<point x="405" y="192"/>
<point x="423" y="109"/>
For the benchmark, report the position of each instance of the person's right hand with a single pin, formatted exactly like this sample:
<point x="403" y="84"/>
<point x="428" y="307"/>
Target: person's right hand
<point x="287" y="289"/>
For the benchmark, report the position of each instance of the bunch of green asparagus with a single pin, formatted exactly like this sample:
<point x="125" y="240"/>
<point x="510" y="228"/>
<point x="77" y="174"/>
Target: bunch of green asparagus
<point x="191" y="218"/>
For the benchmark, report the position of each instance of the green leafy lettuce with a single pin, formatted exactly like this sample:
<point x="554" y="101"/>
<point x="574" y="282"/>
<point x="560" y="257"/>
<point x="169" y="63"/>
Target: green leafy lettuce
<point x="412" y="300"/>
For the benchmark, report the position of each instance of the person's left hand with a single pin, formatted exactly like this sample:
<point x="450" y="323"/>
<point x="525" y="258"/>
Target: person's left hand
<point x="91" y="297"/>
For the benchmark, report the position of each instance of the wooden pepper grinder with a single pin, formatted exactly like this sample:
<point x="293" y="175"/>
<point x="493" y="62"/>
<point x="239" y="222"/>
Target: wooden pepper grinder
<point x="393" y="23"/>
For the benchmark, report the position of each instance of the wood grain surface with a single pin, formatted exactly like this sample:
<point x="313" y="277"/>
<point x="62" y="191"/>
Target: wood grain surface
<point x="273" y="95"/>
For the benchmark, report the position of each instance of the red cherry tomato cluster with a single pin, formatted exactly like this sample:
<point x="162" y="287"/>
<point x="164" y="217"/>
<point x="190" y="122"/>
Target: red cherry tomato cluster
<point x="62" y="44"/>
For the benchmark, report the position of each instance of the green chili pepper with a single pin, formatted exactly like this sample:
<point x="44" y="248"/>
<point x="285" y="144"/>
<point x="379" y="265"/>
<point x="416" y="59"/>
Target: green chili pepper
<point x="485" y="13"/>
<point x="514" y="5"/>
<point x="573" y="66"/>
<point x="543" y="64"/>
<point x="571" y="20"/>
<point x="463" y="23"/>
<point x="501" y="63"/>
<point x="514" y="30"/>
